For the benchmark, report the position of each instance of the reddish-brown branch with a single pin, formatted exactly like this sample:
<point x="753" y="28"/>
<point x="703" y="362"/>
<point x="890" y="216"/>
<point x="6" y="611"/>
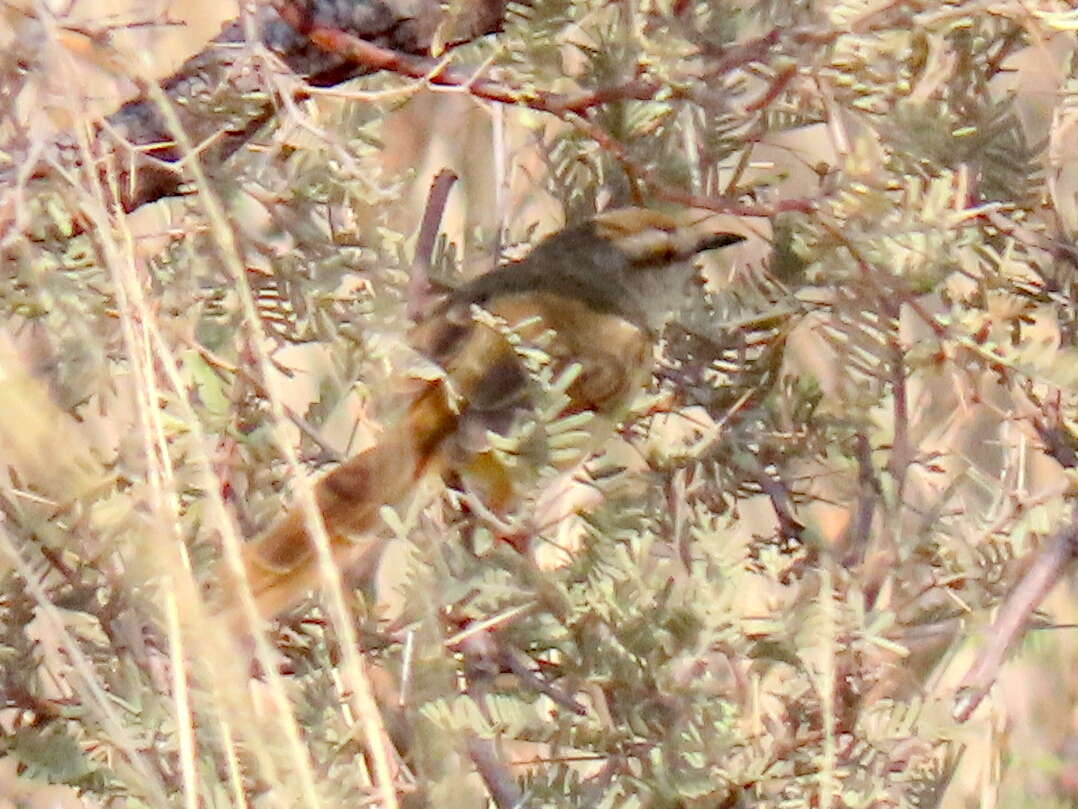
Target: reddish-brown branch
<point x="376" y="57"/>
<point x="213" y="93"/>
<point x="569" y="107"/>
<point x="419" y="286"/>
<point x="778" y="84"/>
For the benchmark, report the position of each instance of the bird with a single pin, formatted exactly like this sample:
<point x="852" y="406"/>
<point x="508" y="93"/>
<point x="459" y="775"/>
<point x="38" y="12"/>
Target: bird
<point x="565" y="336"/>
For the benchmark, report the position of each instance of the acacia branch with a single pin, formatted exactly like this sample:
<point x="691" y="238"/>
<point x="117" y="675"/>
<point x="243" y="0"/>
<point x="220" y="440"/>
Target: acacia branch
<point x="220" y="97"/>
<point x="1047" y="568"/>
<point x="1044" y="572"/>
<point x="570" y="107"/>
<point x="221" y="101"/>
<point x="376" y="57"/>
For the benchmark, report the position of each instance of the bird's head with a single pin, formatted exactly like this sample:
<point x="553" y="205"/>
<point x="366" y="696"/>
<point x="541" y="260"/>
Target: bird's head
<point x="633" y="262"/>
<point x="658" y="250"/>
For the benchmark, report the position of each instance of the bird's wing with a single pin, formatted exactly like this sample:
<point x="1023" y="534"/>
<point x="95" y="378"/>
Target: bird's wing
<point x="486" y="386"/>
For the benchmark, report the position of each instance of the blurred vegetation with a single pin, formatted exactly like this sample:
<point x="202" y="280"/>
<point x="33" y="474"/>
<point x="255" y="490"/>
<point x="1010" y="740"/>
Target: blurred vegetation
<point x="767" y="589"/>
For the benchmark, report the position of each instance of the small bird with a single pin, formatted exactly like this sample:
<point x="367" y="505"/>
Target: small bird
<point x="563" y="337"/>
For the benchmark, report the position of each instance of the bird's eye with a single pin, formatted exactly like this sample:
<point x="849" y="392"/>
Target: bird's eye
<point x="661" y="249"/>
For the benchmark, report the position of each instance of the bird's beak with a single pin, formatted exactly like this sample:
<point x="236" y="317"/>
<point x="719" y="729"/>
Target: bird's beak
<point x="703" y="231"/>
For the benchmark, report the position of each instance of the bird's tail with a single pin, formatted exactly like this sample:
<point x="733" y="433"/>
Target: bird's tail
<point x="281" y="565"/>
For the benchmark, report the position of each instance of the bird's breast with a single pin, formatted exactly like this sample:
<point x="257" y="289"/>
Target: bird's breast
<point x="532" y="380"/>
